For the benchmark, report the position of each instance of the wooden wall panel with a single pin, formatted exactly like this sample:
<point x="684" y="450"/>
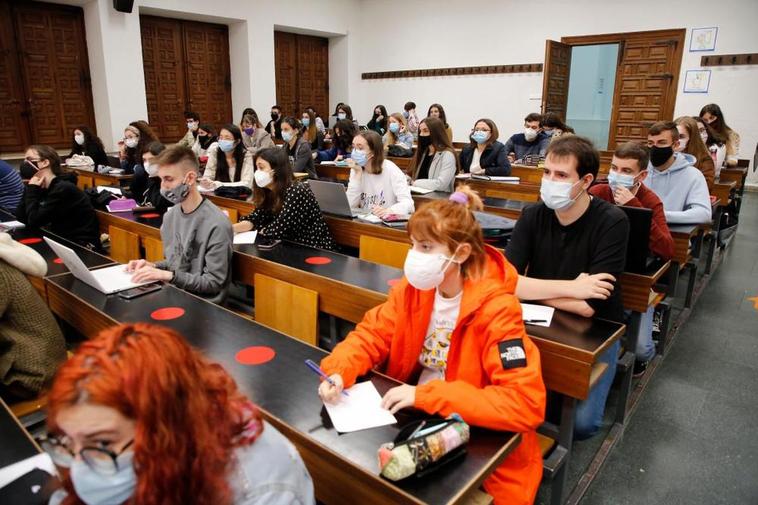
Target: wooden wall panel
<point x="208" y="73"/>
<point x="14" y="130"/>
<point x="313" y="73"/>
<point x="285" y="61"/>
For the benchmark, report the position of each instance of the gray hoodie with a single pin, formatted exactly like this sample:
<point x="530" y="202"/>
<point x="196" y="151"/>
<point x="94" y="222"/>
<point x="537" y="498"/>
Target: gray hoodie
<point x="683" y="191"/>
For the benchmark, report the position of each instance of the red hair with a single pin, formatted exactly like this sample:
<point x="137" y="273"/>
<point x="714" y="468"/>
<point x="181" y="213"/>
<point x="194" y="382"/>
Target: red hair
<point x="189" y="414"/>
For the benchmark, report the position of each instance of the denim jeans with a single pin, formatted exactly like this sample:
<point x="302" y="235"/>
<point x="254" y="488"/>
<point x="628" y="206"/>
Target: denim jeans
<point x="589" y="412"/>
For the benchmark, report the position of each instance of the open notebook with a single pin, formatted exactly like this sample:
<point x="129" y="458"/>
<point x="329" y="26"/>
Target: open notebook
<point x="107" y="280"/>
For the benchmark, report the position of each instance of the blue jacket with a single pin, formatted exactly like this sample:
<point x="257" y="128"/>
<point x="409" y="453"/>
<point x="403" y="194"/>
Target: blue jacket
<point x="11" y="187"/>
<point x="518" y="144"/>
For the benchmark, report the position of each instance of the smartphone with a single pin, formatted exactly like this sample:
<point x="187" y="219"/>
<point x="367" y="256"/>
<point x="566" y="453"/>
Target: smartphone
<point x="139" y="291"/>
<point x="395" y="218"/>
<point x="266" y="243"/>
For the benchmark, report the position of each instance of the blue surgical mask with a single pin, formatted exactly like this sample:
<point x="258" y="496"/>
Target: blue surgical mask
<point x="360" y="157"/>
<point x="96" y="489"/>
<point x="287" y="136"/>
<point x="556" y="195"/>
<point x="616" y="179"/>
<point x="394" y="127"/>
<point x="226" y="145"/>
<point x="480" y="137"/>
<point x="549" y="131"/>
<point x="306" y="122"/>
<point x="406" y="114"/>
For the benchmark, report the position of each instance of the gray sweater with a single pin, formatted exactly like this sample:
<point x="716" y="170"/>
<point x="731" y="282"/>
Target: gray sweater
<point x="198" y="249"/>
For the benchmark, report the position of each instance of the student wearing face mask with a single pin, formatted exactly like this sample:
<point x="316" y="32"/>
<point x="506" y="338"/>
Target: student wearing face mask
<point x="138" y="416"/>
<point x="713" y="142"/>
<point x="317" y="119"/>
<point x="409" y="113"/>
<point x="196" y="235"/>
<point x="376" y="184"/>
<point x="673" y="177"/>
<point x="378" y="122"/>
<point x="691" y="143"/>
<point x="342" y="142"/>
<point x="626" y="187"/>
<point x="11" y="187"/>
<point x="53" y="200"/>
<point x="438" y="112"/>
<point x="274" y="127"/>
<point x="569" y="249"/>
<point x="485" y="155"/>
<point x="553" y="126"/>
<point x="229" y="162"/>
<point x="435" y="164"/>
<point x="398" y="136"/>
<point x="345" y="113"/>
<point x="284" y="209"/>
<point x="86" y="143"/>
<point x="151" y="196"/>
<point x="532" y="141"/>
<point x="254" y="136"/>
<point x="452" y="331"/>
<point x="311" y="132"/>
<point x="713" y="116"/>
<point x="206" y="136"/>
<point x="297" y="148"/>
<point x="192" y="119"/>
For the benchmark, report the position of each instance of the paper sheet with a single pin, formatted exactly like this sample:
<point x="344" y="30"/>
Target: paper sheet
<point x="16" y="470"/>
<point x="205" y="190"/>
<point x="370" y="218"/>
<point x="464" y="175"/>
<point x="359" y="411"/>
<point x="497" y="178"/>
<point x="420" y="191"/>
<point x="246" y="237"/>
<point x="115" y="191"/>
<point x="12" y="225"/>
<point x="536" y="313"/>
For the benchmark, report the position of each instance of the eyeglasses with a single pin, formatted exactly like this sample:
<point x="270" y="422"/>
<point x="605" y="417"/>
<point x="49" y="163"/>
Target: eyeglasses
<point x="31" y="160"/>
<point x="99" y="459"/>
<point x="487" y="130"/>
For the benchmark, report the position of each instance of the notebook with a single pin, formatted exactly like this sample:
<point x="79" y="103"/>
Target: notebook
<point x="106" y="280"/>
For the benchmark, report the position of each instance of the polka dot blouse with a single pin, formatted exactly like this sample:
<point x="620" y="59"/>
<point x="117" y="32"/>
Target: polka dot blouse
<point x="300" y="220"/>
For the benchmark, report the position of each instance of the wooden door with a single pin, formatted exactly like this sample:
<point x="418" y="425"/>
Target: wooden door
<point x="302" y="72"/>
<point x="555" y="80"/>
<point x="163" y="64"/>
<point x="14" y="128"/>
<point x="54" y="70"/>
<point x="208" y="73"/>
<point x="646" y="83"/>
<point x="285" y="62"/>
<point x="313" y="74"/>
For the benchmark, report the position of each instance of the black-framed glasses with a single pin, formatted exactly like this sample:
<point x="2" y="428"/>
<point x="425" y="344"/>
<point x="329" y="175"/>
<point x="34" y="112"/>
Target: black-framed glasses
<point x="99" y="459"/>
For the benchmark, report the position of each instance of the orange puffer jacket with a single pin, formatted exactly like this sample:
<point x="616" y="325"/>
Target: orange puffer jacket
<point x="487" y="381"/>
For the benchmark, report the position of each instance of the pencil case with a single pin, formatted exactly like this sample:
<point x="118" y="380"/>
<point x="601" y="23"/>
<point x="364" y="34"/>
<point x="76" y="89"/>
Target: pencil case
<point x="423" y="446"/>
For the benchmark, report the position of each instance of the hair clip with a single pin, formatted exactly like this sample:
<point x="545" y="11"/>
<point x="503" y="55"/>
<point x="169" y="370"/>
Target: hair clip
<point x="459" y="197"/>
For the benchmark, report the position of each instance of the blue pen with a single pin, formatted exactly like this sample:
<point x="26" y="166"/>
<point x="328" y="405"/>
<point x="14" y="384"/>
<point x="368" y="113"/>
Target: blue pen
<point x="317" y="369"/>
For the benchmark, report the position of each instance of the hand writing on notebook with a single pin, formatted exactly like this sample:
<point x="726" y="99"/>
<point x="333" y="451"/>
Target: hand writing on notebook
<point x="331" y="393"/>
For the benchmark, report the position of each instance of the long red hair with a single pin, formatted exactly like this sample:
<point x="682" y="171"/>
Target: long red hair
<point x="189" y="414"/>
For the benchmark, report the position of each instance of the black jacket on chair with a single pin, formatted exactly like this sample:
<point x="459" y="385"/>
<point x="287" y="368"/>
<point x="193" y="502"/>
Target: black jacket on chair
<point x="494" y="159"/>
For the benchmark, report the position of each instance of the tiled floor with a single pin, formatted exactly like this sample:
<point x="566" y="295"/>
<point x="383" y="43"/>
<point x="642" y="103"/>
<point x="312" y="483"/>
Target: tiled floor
<point x="694" y="436"/>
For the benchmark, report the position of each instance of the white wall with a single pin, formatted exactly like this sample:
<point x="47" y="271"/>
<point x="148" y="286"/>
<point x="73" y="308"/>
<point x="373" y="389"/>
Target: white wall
<point x="447" y="34"/>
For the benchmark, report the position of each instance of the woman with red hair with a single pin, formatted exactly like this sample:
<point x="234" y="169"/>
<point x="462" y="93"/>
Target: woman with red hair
<point x="138" y="416"/>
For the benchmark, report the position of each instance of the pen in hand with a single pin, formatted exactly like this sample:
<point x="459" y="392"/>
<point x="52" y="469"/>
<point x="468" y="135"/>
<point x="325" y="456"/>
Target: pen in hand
<point x="317" y="370"/>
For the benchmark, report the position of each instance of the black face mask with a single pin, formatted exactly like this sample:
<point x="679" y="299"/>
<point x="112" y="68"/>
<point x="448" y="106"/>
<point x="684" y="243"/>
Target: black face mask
<point x="27" y="170"/>
<point x="274" y="116"/>
<point x="660" y="155"/>
<point x="424" y="142"/>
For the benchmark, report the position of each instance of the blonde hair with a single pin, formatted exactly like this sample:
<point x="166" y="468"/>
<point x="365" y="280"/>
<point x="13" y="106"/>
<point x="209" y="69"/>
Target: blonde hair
<point x="452" y="222"/>
<point x="391" y="137"/>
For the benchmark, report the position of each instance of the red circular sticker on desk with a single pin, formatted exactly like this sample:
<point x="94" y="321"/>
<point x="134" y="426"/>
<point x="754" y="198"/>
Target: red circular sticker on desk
<point x="318" y="260"/>
<point x="167" y="313"/>
<point x="58" y="261"/>
<point x="255" y="355"/>
<point x="30" y="241"/>
<point x="150" y="215"/>
<point x="392" y="282"/>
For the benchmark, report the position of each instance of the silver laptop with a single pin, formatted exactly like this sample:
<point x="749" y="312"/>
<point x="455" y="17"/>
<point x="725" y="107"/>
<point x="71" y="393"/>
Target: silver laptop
<point x="332" y="199"/>
<point x="107" y="280"/>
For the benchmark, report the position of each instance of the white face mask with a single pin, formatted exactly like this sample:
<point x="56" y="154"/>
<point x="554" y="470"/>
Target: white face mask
<point x="341" y="116"/>
<point x="131" y="142"/>
<point x="426" y="270"/>
<point x="557" y="195"/>
<point x="151" y="169"/>
<point x="79" y="139"/>
<point x="682" y="145"/>
<point x="530" y="134"/>
<point x="263" y="178"/>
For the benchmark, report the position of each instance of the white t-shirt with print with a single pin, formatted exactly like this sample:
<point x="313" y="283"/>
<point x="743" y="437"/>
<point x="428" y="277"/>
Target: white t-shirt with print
<point x="433" y="355"/>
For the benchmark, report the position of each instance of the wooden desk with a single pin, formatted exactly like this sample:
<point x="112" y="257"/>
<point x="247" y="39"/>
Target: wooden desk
<point x="502" y="207"/>
<point x="636" y="288"/>
<point x="682" y="235"/>
<point x="330" y="171"/>
<point x="723" y="191"/>
<point x="527" y="192"/>
<point x="94" y="179"/>
<point x="341" y="465"/>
